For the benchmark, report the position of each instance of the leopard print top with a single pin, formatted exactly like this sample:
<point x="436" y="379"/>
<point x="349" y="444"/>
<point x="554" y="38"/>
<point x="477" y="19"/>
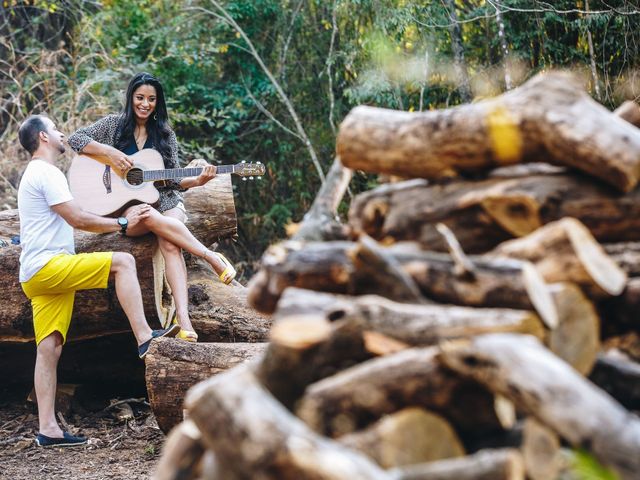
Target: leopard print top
<point x="104" y="131"/>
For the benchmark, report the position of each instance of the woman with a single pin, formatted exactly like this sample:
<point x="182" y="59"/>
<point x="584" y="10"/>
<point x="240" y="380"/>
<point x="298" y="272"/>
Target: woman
<point x="144" y="124"/>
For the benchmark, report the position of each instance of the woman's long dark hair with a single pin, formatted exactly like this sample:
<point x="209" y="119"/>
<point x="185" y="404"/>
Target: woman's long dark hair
<point x="158" y="130"/>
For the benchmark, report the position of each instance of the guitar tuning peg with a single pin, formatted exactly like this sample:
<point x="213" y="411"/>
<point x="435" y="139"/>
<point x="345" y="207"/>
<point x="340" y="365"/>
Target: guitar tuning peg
<point x="250" y="178"/>
<point x="243" y="161"/>
<point x="259" y="178"/>
<point x="244" y="179"/>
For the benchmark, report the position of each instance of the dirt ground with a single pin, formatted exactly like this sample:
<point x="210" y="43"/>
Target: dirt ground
<point x="124" y="441"/>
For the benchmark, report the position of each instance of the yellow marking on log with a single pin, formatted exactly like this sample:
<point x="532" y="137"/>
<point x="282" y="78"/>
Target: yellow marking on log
<point x="504" y="135"/>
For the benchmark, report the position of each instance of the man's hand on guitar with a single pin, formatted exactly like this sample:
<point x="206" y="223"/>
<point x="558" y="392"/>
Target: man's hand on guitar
<point x="207" y="174"/>
<point x="138" y="213"/>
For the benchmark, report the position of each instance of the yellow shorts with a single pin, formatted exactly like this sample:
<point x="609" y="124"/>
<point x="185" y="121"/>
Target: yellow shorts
<point x="52" y="290"/>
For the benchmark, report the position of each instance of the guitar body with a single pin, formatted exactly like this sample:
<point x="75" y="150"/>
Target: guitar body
<point x="101" y="190"/>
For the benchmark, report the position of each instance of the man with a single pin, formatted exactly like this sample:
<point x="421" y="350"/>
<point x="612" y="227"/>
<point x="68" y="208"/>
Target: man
<point x="51" y="272"/>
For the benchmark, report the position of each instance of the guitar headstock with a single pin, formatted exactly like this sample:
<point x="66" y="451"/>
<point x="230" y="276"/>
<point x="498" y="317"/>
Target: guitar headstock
<point x="249" y="170"/>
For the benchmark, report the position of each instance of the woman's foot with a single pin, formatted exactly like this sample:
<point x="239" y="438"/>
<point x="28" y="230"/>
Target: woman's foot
<point x="222" y="266"/>
<point x="187" y="335"/>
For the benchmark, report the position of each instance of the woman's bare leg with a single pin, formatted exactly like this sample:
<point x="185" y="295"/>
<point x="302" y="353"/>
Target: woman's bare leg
<point x="176" y="272"/>
<point x="176" y="232"/>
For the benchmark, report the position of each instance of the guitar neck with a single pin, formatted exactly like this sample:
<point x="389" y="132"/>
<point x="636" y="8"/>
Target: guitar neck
<point x="177" y="173"/>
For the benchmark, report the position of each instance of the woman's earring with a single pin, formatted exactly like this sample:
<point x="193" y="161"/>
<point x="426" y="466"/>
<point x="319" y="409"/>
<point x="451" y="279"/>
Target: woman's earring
<point x="155" y="116"/>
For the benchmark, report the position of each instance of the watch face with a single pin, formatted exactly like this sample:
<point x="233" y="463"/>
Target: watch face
<point x="122" y="221"/>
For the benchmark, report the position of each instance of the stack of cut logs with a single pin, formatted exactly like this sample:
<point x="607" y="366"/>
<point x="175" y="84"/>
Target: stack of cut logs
<point x="454" y="328"/>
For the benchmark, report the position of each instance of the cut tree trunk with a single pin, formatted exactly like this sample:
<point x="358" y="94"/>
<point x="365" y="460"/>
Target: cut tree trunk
<point x="410" y="436"/>
<point x="219" y="312"/>
<point x="183" y="454"/>
<point x="306" y="348"/>
<point x="337" y="267"/>
<point x="565" y="251"/>
<point x="503" y="464"/>
<point x="620" y="314"/>
<point x="576" y="339"/>
<point x="549" y="118"/>
<point x="484" y="213"/>
<point x="539" y="383"/>
<point x="254" y="436"/>
<point x="354" y="398"/>
<point x="538" y="444"/>
<point x="97" y="312"/>
<point x="619" y="376"/>
<point x="174" y="366"/>
<point x="417" y="325"/>
<point x="630" y="111"/>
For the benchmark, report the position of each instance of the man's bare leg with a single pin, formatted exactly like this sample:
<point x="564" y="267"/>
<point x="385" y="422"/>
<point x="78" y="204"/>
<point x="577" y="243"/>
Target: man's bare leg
<point x="123" y="266"/>
<point x="45" y="380"/>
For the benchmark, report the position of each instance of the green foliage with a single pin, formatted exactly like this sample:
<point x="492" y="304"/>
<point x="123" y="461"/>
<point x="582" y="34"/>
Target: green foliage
<point x="390" y="53"/>
<point x="586" y="467"/>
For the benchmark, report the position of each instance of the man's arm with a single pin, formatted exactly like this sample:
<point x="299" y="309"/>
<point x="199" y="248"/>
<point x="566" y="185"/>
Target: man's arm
<point x="78" y="218"/>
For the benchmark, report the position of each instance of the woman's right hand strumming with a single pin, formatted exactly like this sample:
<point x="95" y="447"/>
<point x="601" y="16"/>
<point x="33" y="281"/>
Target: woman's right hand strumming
<point x="118" y="160"/>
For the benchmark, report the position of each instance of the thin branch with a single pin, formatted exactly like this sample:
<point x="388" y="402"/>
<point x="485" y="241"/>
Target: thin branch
<point x="224" y="15"/>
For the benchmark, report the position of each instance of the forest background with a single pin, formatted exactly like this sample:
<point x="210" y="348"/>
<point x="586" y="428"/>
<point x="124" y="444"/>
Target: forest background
<point x="270" y="80"/>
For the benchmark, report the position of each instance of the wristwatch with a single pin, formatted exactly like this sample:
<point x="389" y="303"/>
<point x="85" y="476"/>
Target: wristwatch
<point x="124" y="223"/>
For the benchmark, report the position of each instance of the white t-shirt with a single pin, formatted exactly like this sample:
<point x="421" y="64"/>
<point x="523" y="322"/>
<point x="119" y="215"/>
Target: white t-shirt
<point x="43" y="233"/>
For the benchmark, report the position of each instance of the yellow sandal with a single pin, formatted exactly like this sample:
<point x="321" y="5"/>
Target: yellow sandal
<point x="229" y="273"/>
<point x="186" y="335"/>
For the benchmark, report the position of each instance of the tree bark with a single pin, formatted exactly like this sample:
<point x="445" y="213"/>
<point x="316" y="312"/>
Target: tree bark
<point x="354" y="398"/>
<point x="503" y="464"/>
<point x="410" y="436"/>
<point x="565" y="250"/>
<point x="335" y="267"/>
<point x="576" y="339"/>
<point x="417" y="325"/>
<point x="254" y="436"/>
<point x="540" y="384"/>
<point x="548" y="118"/>
<point x="619" y="376"/>
<point x="630" y="111"/>
<point x="219" y="312"/>
<point x="174" y="366"/>
<point x="484" y="213"/>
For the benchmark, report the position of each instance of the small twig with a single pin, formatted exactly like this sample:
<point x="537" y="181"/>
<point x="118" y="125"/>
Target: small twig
<point x="64" y="423"/>
<point x="128" y="400"/>
<point x="464" y="268"/>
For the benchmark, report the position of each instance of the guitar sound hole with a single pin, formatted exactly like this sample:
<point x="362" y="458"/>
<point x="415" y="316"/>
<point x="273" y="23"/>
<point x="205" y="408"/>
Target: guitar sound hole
<point x="134" y="177"/>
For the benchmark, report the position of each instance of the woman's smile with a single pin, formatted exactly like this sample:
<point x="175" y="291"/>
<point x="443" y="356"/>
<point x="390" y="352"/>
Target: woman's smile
<point x="144" y="101"/>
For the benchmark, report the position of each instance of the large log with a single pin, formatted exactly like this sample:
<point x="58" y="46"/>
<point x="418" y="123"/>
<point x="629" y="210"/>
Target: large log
<point x="410" y="436"/>
<point x="619" y="376"/>
<point x="417" y="325"/>
<point x="505" y="464"/>
<point x="540" y="384"/>
<point x="565" y="250"/>
<point x="337" y="267"/>
<point x="484" y="213"/>
<point x="353" y="398"/>
<point x="219" y="312"/>
<point x="174" y="366"/>
<point x="98" y="312"/>
<point x="549" y="118"/>
<point x="254" y="436"/>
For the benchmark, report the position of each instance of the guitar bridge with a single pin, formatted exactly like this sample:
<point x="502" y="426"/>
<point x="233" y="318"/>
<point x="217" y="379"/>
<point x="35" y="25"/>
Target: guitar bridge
<point x="106" y="178"/>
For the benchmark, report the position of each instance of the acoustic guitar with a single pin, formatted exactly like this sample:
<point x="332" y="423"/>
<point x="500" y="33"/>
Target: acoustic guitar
<point x="104" y="191"/>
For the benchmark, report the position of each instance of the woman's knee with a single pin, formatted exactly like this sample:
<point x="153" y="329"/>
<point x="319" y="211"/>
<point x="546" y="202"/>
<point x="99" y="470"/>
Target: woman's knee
<point x="168" y="248"/>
